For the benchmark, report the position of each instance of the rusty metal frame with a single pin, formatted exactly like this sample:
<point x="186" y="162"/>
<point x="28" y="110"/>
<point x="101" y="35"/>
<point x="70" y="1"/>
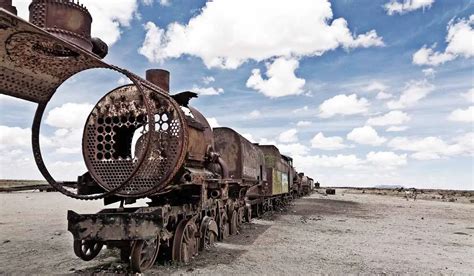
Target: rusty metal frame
<point x="35" y="76"/>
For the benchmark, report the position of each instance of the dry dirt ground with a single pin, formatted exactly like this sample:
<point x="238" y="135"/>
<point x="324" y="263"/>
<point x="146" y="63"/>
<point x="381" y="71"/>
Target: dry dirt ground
<point x="344" y="233"/>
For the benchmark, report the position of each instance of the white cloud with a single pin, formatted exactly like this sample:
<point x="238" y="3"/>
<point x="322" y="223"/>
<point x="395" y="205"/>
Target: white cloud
<point x="404" y="6"/>
<point x="293" y="149"/>
<point x="288" y="136"/>
<point x="389" y="119"/>
<point x="429" y="72"/>
<point x="301" y="110"/>
<point x="380" y="88"/>
<point x="165" y="3"/>
<point x="281" y="79"/>
<point x="221" y="37"/>
<point x="413" y="92"/>
<point x="462" y="115"/>
<point x="147" y="2"/>
<point x="338" y="161"/>
<point x="459" y="44"/>
<point x="366" y="135"/>
<point x="469" y="95"/>
<point x="14" y="137"/>
<point x="386" y="159"/>
<point x="344" y="105"/>
<point x="207" y="91"/>
<point x="396" y="128"/>
<point x="433" y="147"/>
<point x="207" y="80"/>
<point x="427" y="56"/>
<point x="384" y="96"/>
<point x="303" y="123"/>
<point x="254" y="114"/>
<point x="319" y="141"/>
<point x="376" y="86"/>
<point x="124" y="81"/>
<point x="213" y="122"/>
<point x="69" y="115"/>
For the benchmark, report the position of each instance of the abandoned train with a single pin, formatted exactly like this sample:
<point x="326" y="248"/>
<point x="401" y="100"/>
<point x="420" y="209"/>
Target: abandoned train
<point x="140" y="142"/>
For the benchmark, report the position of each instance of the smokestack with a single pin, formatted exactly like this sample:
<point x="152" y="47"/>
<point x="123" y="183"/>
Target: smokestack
<point x="160" y="78"/>
<point x="7" y="5"/>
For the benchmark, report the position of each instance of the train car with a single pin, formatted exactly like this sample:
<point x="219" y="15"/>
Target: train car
<point x="278" y="182"/>
<point x="246" y="167"/>
<point x="294" y="184"/>
<point x="305" y="184"/>
<point x="311" y="184"/>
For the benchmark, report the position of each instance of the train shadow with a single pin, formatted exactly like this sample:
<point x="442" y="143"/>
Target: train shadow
<point x="327" y="207"/>
<point x="224" y="252"/>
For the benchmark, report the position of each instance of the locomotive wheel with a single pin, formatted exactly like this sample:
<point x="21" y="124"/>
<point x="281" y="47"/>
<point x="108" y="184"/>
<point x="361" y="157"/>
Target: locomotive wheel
<point x="143" y="254"/>
<point x="223" y="227"/>
<point x="209" y="232"/>
<point x="185" y="242"/>
<point x="234" y="223"/>
<point x="87" y="250"/>
<point x="248" y="214"/>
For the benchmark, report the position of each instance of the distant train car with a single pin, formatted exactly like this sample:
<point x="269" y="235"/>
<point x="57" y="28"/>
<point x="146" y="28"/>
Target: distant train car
<point x="305" y="184"/>
<point x="278" y="171"/>
<point x="294" y="183"/>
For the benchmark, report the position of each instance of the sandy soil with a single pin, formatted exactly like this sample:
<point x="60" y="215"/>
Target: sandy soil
<point x="344" y="233"/>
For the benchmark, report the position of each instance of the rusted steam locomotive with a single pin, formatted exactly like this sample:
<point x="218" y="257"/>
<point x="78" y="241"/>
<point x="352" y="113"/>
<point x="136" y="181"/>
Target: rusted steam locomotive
<point x="140" y="142"/>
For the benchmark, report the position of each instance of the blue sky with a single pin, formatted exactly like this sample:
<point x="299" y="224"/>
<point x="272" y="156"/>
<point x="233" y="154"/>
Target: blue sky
<point x="361" y="93"/>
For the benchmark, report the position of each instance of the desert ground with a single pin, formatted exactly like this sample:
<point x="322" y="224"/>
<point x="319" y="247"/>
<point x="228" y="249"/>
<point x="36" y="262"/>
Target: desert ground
<point x="350" y="232"/>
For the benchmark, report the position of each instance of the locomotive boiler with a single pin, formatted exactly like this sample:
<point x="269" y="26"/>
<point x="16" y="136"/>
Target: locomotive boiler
<point x="139" y="142"/>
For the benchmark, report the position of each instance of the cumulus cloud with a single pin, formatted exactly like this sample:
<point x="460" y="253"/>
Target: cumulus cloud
<point x="431" y="147"/>
<point x="396" y="128"/>
<point x="380" y="88"/>
<point x="301" y="110"/>
<point x="288" y="136"/>
<point x="281" y="79"/>
<point x="14" y="137"/>
<point x="469" y="95"/>
<point x="221" y="37"/>
<point x="386" y="159"/>
<point x="123" y="81"/>
<point x="293" y="149"/>
<point x="459" y="44"/>
<point x="207" y="91"/>
<point x="69" y="115"/>
<point x="376" y="86"/>
<point x="303" y="123"/>
<point x="429" y="72"/>
<point x="343" y="105"/>
<point x="366" y="135"/>
<point x="391" y="118"/>
<point x="350" y="161"/>
<point x="414" y="91"/>
<point x="404" y="6"/>
<point x="254" y="114"/>
<point x="462" y="115"/>
<point x="319" y="141"/>
<point x="207" y="80"/>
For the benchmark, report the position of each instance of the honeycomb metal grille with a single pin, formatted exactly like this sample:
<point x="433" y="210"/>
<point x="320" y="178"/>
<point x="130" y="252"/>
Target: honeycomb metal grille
<point x="112" y="153"/>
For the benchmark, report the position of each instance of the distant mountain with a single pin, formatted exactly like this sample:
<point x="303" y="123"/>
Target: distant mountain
<point x="389" y="186"/>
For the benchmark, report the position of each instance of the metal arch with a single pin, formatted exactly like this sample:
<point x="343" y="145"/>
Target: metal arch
<point x="21" y="71"/>
<point x="45" y="172"/>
